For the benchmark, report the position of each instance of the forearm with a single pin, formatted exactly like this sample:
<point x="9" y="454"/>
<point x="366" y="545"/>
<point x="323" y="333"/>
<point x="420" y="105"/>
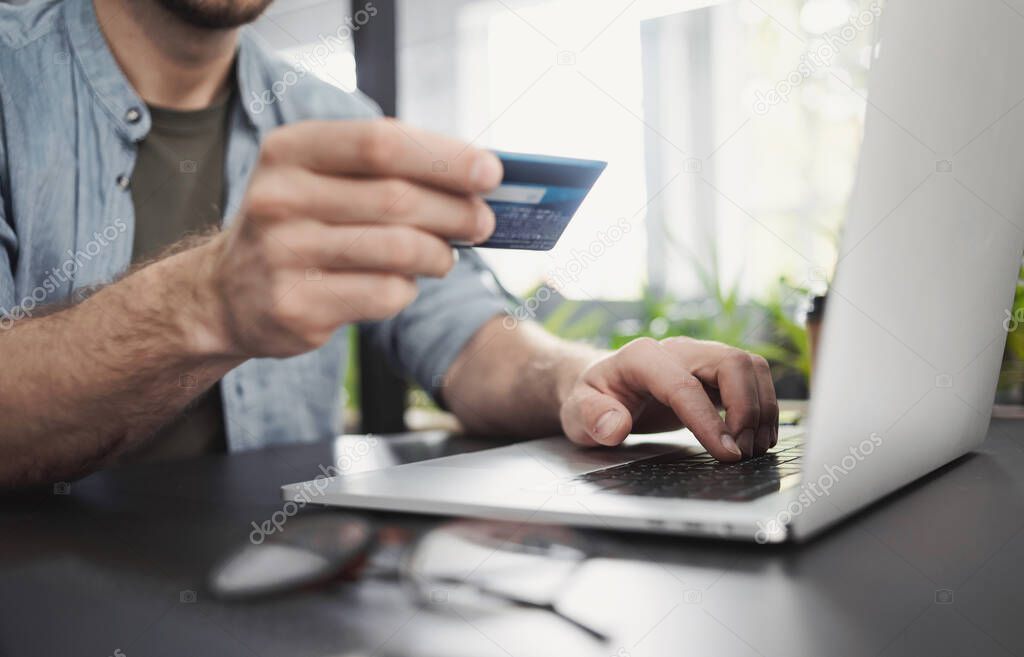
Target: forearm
<point x="83" y="384"/>
<point x="514" y="381"/>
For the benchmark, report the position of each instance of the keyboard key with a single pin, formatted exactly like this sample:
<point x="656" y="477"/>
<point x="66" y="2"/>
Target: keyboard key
<point x="683" y="475"/>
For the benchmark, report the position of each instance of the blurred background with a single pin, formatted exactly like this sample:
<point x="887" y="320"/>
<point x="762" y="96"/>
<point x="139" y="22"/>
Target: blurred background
<point x="731" y="132"/>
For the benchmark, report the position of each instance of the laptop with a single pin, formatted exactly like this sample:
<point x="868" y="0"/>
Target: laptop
<point x="910" y="351"/>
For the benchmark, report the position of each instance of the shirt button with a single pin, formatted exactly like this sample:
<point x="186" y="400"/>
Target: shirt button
<point x="132" y="115"/>
<point x="123" y="181"/>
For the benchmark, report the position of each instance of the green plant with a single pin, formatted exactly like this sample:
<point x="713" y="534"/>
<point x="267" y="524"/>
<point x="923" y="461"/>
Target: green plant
<point x="564" y="322"/>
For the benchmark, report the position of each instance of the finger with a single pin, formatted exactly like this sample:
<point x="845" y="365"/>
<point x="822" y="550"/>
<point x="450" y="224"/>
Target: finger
<point x="292" y="191"/>
<point x="591" y="418"/>
<point x="387" y="249"/>
<point x="644" y="366"/>
<point x="768" y="431"/>
<point x="384" y="148"/>
<point x="737" y="385"/>
<point x="315" y="309"/>
<point x="361" y="296"/>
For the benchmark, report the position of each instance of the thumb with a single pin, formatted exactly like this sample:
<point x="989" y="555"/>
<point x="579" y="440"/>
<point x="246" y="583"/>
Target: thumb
<point x="594" y="418"/>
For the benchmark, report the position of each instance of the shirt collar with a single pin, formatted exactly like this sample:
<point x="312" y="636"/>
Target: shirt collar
<point x="251" y="68"/>
<point x="116" y="93"/>
<point x="112" y="88"/>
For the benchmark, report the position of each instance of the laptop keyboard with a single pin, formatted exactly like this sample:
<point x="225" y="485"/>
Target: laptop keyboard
<point x="685" y="475"/>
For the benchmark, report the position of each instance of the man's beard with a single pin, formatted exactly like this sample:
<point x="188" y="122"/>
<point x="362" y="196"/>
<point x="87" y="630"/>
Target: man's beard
<point x="215" y="14"/>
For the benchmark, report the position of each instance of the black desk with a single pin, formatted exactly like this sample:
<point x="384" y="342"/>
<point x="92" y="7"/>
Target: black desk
<point x="936" y="570"/>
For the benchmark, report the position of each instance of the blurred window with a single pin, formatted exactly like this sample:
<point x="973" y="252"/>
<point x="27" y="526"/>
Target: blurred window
<point x="731" y="129"/>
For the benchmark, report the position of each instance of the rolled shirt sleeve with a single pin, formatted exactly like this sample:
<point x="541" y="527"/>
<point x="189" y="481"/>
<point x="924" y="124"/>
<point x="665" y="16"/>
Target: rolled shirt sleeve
<point x="426" y="337"/>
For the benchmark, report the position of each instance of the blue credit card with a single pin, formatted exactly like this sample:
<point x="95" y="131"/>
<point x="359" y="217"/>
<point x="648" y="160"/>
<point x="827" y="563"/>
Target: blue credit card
<point x="537" y="197"/>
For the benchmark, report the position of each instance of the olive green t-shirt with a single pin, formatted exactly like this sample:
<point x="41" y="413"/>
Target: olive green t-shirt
<point x="177" y="189"/>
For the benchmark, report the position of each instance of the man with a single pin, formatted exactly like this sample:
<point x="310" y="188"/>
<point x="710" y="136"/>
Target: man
<point x="126" y="138"/>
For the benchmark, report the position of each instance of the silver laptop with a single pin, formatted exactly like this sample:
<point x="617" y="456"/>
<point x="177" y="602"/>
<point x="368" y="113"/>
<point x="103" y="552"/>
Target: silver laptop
<point x="912" y="342"/>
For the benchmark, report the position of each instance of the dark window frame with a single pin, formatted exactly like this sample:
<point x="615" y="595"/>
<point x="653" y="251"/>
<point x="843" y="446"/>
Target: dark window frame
<point x="382" y="391"/>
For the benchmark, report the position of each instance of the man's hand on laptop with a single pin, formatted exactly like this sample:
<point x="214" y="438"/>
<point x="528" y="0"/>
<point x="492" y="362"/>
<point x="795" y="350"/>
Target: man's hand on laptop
<point x="650" y="385"/>
<point x="339" y="219"/>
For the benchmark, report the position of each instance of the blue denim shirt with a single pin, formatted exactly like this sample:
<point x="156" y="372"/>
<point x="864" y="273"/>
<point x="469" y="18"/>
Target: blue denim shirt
<point x="70" y="125"/>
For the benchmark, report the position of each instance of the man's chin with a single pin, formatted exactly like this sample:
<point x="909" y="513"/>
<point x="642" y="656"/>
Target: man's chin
<point x="215" y="14"/>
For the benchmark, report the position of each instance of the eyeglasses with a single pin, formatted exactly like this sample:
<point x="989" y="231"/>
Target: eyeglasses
<point x="462" y="566"/>
<point x="484" y="567"/>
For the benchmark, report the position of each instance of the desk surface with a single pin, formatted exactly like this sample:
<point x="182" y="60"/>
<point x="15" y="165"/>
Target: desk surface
<point x="934" y="570"/>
